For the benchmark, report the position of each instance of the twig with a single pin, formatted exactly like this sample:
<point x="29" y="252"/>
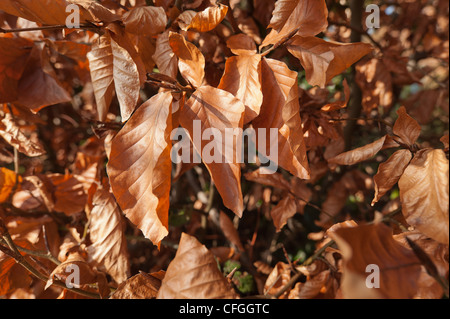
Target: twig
<point x="50" y="27"/>
<point x="363" y="119"/>
<point x="281" y="42"/>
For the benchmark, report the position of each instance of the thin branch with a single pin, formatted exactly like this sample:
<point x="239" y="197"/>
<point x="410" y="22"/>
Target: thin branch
<point x="358" y="30"/>
<point x="50" y="27"/>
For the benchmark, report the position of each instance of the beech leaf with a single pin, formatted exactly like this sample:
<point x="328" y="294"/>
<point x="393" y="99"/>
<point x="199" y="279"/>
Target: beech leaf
<point x="193" y="274"/>
<point x="145" y="20"/>
<point x="406" y="128"/>
<point x="424" y="194"/>
<point x="139" y="167"/>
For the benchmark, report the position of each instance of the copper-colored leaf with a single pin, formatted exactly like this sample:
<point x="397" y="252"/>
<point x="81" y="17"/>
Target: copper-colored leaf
<point x="108" y="250"/>
<point x="359" y="154"/>
<point x="274" y="180"/>
<point x="207" y="19"/>
<point x="69" y="194"/>
<point x="323" y="60"/>
<point x="164" y="57"/>
<point x="191" y="61"/>
<point x="424" y="194"/>
<point x="13" y="56"/>
<point x="277" y="279"/>
<point x="101" y="65"/>
<point x="280" y="110"/>
<point x="241" y="44"/>
<point x="193" y="274"/>
<point x="390" y="172"/>
<point x="145" y="20"/>
<point x="307" y="18"/>
<point x="374" y="245"/>
<point x="126" y="80"/>
<point x="47" y="12"/>
<point x="242" y="78"/>
<point x="444" y="140"/>
<point x="219" y="110"/>
<point x="14" y="135"/>
<point x="139" y="166"/>
<point x="285" y="209"/>
<point x="8" y="180"/>
<point x="406" y="128"/>
<point x="140" y="286"/>
<point x="39" y="86"/>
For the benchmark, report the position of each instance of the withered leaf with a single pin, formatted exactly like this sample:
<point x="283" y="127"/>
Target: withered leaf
<point x="374" y="245"/>
<point x="359" y="154"/>
<point x="145" y="20"/>
<point x="302" y="17"/>
<point x="164" y="57"/>
<point x="406" y="128"/>
<point x="207" y="19"/>
<point x="193" y="274"/>
<point x="140" y="286"/>
<point x="191" y="61"/>
<point x="139" y="166"/>
<point x="323" y="60"/>
<point x="14" y="135"/>
<point x="242" y="78"/>
<point x="285" y="209"/>
<point x="280" y="110"/>
<point x="14" y="53"/>
<point x="108" y="250"/>
<point x="230" y="231"/>
<point x="8" y="180"/>
<point x="390" y="172"/>
<point x="219" y="110"/>
<point x="424" y="194"/>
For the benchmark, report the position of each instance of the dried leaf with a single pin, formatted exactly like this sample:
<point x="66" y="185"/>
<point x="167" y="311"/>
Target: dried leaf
<point x="8" y="180"/>
<point x="242" y="78"/>
<point x="359" y="154"/>
<point x="164" y="57"/>
<point x="220" y="110"/>
<point x="101" y="65"/>
<point x="207" y="19"/>
<point x="108" y="250"/>
<point x="230" y="231"/>
<point x="280" y="110"/>
<point x="307" y="18"/>
<point x="390" y="172"/>
<point x="139" y="167"/>
<point x="14" y="53"/>
<point x="140" y="286"/>
<point x="285" y="209"/>
<point x="193" y="274"/>
<point x="145" y="20"/>
<point x="374" y="245"/>
<point x="323" y="60"/>
<point x="191" y="61"/>
<point x="424" y="194"/>
<point x="406" y="128"/>
<point x="14" y="135"/>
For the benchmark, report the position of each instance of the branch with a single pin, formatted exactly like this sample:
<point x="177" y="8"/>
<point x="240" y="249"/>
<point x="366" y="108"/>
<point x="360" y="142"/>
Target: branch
<point x="51" y="27"/>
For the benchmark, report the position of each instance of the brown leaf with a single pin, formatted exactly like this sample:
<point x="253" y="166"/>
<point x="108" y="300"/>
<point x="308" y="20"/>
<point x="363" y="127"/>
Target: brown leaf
<point x="307" y="18"/>
<point x="323" y="60"/>
<point x="359" y="154"/>
<point x="206" y="20"/>
<point x="14" y="135"/>
<point x="108" y="250"/>
<point x="424" y="194"/>
<point x="8" y="180"/>
<point x="14" y="53"/>
<point x="140" y="286"/>
<point x="274" y="180"/>
<point x="145" y="20"/>
<point x="164" y="57"/>
<point x="374" y="245"/>
<point x="444" y="140"/>
<point x="139" y="167"/>
<point x="69" y="194"/>
<point x="39" y="86"/>
<point x="312" y="287"/>
<point x="277" y="279"/>
<point x="242" y="78"/>
<point x="280" y="110"/>
<point x="285" y="209"/>
<point x="46" y="12"/>
<point x="217" y="109"/>
<point x="242" y="44"/>
<point x="101" y="65"/>
<point x="406" y="128"/>
<point x="191" y="61"/>
<point x="390" y="172"/>
<point x="193" y="274"/>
